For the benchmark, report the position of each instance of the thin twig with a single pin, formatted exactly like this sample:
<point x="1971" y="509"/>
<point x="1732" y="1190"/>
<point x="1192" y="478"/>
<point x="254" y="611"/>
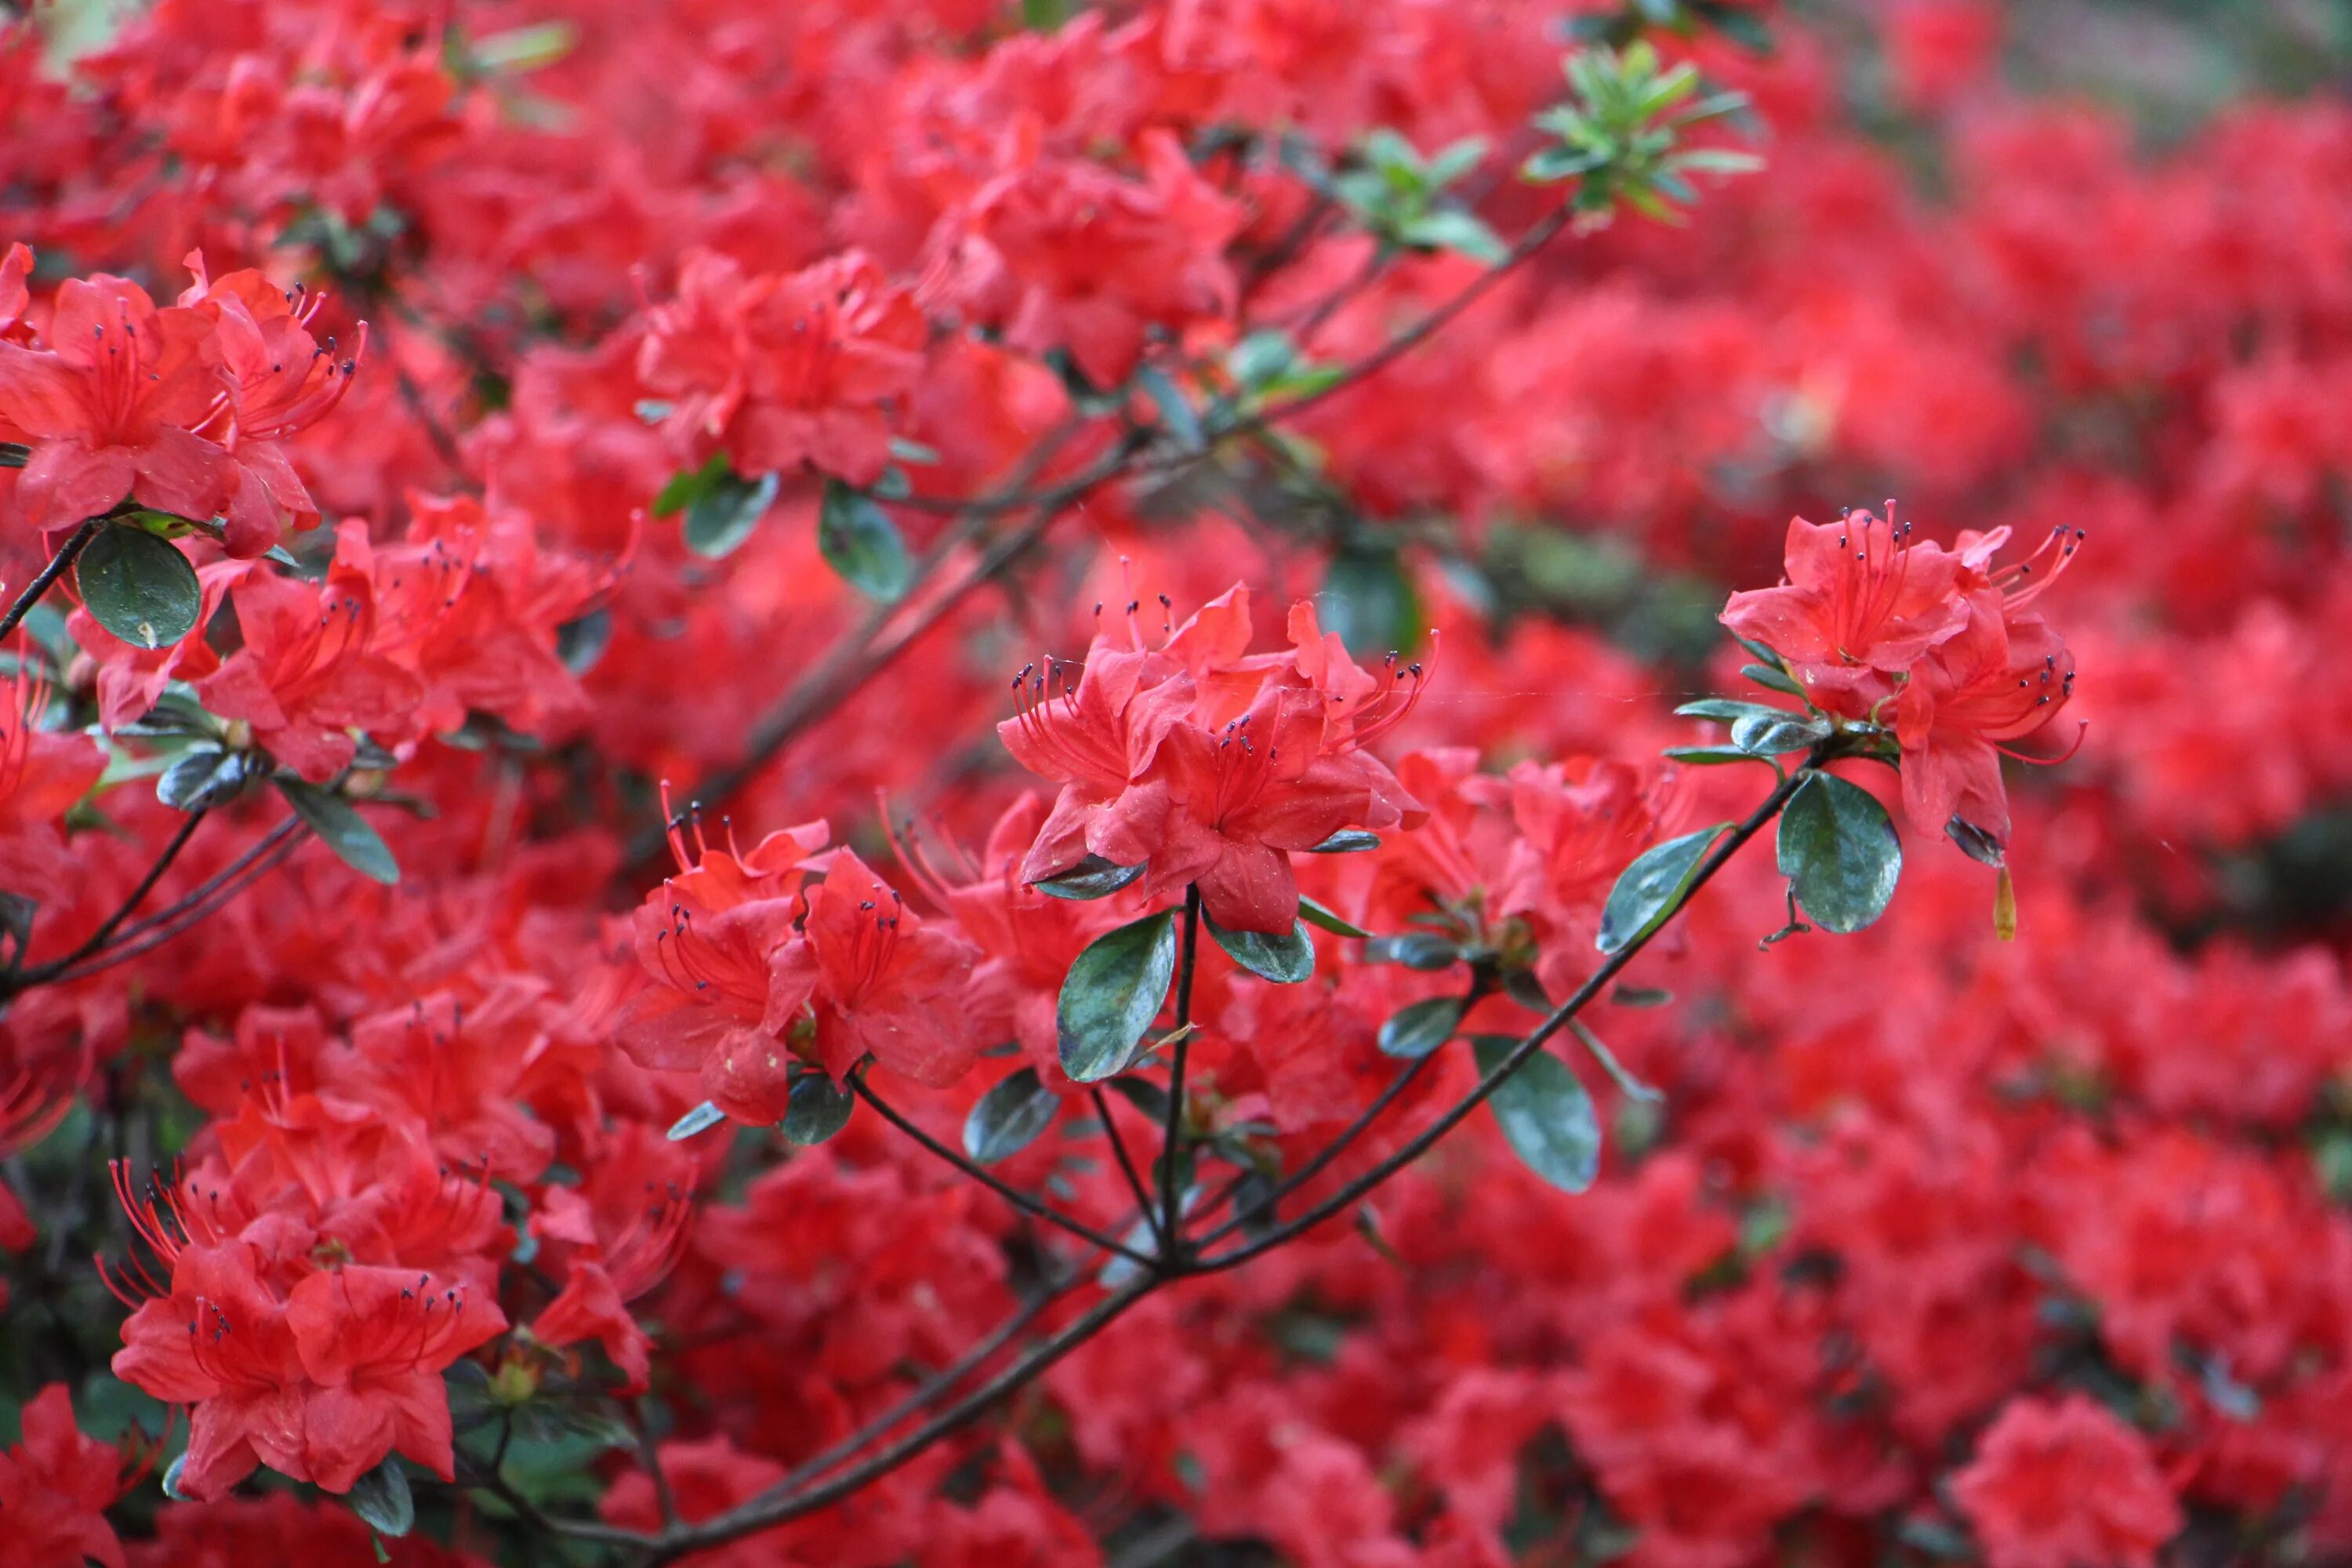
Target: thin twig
<point x="996" y="1183"/>
<point x="146" y="935"/>
<point x="49" y="573"/>
<point x="1419" y="1144"/>
<point x="41" y="975"/>
<point x="1172" y="1201"/>
<point x="1126" y="1165"/>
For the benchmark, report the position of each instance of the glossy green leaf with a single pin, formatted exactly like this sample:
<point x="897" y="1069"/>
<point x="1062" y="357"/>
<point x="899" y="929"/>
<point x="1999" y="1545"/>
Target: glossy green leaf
<point x="1414" y="949"/>
<point x="1111" y="995"/>
<point x="1092" y="878"/>
<point x="815" y="1109"/>
<point x="721" y="517"/>
<point x="1286" y="959"/>
<point x="139" y="586"/>
<point x="201" y="778"/>
<point x="1839" y="852"/>
<point x="1731" y="710"/>
<point x="342" y="828"/>
<point x="1330" y="920"/>
<point x="1772" y="678"/>
<point x="1009" y="1117"/>
<point x="687" y="485"/>
<point x="1420" y="1028"/>
<point x="382" y="1498"/>
<point x="1545" y="1114"/>
<point x="858" y="540"/>
<point x="1651" y="887"/>
<point x="1711" y="756"/>
<point x="1781" y="732"/>
<point x="1176" y="412"/>
<point x="1347" y="841"/>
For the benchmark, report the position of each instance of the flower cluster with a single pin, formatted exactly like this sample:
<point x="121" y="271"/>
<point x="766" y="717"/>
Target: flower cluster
<point x="184" y="408"/>
<point x="1239" y="1091"/>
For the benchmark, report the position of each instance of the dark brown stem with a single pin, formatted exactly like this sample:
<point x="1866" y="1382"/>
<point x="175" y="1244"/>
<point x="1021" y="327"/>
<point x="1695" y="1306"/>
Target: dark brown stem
<point x="95" y="944"/>
<point x="1171" y="1198"/>
<point x="783" y="1504"/>
<point x="47" y="576"/>
<point x="994" y="1183"/>
<point x="1135" y="1183"/>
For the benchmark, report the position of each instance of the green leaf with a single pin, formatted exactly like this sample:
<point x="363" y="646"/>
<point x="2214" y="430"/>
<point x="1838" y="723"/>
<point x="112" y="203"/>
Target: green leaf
<point x="1781" y="732"/>
<point x="701" y="1119"/>
<point x="1009" y="1117"/>
<point x="1370" y="602"/>
<point x="1545" y="1114"/>
<point x="1414" y="949"/>
<point x="1261" y="357"/>
<point x="1718" y="161"/>
<point x="1711" y="756"/>
<point x="1772" y="678"/>
<point x="1727" y="710"/>
<point x="172" y="1474"/>
<point x="201" y="778"/>
<point x="14" y="454"/>
<point x="1452" y="229"/>
<point x="1627" y="1084"/>
<point x="139" y="586"/>
<point x="1175" y="408"/>
<point x="1839" y="852"/>
<point x="1974" y="842"/>
<point x="858" y="540"/>
<point x="1286" y="959"/>
<point x="719" y="519"/>
<point x="1317" y="914"/>
<point x="1347" y="841"/>
<point x="1111" y="995"/>
<point x="381" y="1499"/>
<point x="1044" y="15"/>
<point x="1451" y="162"/>
<point x="520" y="50"/>
<point x="814" y="1110"/>
<point x="1092" y="878"/>
<point x="687" y="485"/>
<point x="1652" y="887"/>
<point x="345" y="831"/>
<point x="1420" y="1028"/>
<point x="1144" y="1095"/>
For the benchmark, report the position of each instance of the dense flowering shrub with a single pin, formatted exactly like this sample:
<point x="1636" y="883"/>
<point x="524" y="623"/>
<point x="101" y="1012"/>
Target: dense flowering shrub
<point x="957" y="783"/>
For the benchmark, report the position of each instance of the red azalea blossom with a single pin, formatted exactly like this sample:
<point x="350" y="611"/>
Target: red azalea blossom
<point x="2066" y="1485"/>
<point x="109" y="406"/>
<point x="1208" y="766"/>
<point x="779" y="371"/>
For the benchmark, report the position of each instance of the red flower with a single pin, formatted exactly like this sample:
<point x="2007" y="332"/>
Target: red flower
<point x="2066" y="1485"/>
<point x="779" y="371"/>
<point x="864" y="976"/>
<point x="278" y="381"/>
<point x="309" y="671"/>
<point x="1208" y="765"/>
<point x="55" y="1488"/>
<point x="626" y="1237"/>
<point x="108" y="407"/>
<point x="1997" y="681"/>
<point x="705" y="935"/>
<point x="43" y="773"/>
<point x="319" y="1386"/>
<point x="1861" y="602"/>
<point x="1094" y="261"/>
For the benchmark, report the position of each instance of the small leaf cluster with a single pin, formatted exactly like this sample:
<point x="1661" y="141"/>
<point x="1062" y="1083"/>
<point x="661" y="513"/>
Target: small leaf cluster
<point x="1621" y="137"/>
